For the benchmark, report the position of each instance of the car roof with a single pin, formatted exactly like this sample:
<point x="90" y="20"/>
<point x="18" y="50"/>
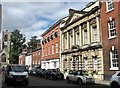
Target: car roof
<point x="15" y="65"/>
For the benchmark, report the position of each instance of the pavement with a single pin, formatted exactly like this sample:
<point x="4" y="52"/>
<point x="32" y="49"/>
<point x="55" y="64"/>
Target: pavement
<point x="103" y="82"/>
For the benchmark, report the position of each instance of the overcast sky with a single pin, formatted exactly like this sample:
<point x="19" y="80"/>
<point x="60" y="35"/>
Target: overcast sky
<point x="33" y="18"/>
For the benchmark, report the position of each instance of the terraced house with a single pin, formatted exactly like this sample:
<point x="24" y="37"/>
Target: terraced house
<point x="110" y="26"/>
<point x="81" y="43"/>
<point x="51" y="47"/>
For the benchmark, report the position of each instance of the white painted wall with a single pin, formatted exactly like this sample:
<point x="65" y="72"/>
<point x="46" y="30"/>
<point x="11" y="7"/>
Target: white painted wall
<point x="28" y="60"/>
<point x="50" y="64"/>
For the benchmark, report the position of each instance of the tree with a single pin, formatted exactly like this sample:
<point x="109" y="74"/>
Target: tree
<point x="17" y="41"/>
<point x="32" y="44"/>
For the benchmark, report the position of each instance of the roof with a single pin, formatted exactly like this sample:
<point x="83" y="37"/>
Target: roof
<point x="54" y="25"/>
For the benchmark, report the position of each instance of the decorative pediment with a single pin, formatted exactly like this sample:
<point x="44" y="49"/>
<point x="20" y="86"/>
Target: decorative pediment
<point x="93" y="21"/>
<point x="84" y="25"/>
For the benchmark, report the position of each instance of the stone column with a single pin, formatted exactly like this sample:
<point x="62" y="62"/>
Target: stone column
<point x="88" y="31"/>
<point x="73" y="36"/>
<point x="62" y="42"/>
<point x="98" y="29"/>
<point x="67" y="40"/>
<point x="80" y="35"/>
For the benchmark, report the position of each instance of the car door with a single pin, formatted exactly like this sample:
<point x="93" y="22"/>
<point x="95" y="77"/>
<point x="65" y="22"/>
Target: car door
<point x="75" y="76"/>
<point x="118" y="77"/>
<point x="70" y="75"/>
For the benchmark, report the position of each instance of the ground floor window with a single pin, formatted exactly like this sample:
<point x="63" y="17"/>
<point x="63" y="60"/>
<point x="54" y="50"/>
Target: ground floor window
<point x="114" y="58"/>
<point x="95" y="63"/>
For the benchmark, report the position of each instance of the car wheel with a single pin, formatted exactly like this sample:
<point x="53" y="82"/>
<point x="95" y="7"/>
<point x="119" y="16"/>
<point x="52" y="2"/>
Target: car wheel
<point x="26" y="83"/>
<point x="45" y="76"/>
<point x="79" y="82"/>
<point x="67" y="80"/>
<point x="115" y="85"/>
<point x="51" y="77"/>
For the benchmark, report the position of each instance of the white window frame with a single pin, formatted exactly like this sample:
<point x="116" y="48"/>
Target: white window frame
<point x="48" y="50"/>
<point x="111" y="27"/>
<point x="95" y="33"/>
<point x="57" y="47"/>
<point x="86" y="63"/>
<point x="52" y="48"/>
<point x="113" y="57"/>
<point x="109" y="3"/>
<point x="85" y="36"/>
<point x="95" y="63"/>
<point x="77" y="38"/>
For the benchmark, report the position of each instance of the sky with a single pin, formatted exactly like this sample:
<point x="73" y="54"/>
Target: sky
<point x="34" y="17"/>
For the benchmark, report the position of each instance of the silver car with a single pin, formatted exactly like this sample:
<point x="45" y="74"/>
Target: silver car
<point x="79" y="77"/>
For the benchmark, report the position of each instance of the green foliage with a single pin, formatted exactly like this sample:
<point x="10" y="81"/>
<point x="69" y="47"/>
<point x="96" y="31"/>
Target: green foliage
<point x="17" y="40"/>
<point x="32" y="44"/>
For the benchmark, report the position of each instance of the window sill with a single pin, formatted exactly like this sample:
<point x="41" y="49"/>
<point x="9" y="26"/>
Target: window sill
<point x="112" y="37"/>
<point x="109" y="10"/>
<point x="114" y="68"/>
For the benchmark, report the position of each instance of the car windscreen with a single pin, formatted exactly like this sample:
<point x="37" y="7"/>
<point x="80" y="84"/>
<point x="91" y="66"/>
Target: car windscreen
<point x="19" y="68"/>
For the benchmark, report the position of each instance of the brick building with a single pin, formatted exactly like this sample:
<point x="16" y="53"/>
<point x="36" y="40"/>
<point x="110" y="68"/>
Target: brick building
<point x="110" y="26"/>
<point x="22" y="56"/>
<point x="51" y="47"/>
<point x="36" y="56"/>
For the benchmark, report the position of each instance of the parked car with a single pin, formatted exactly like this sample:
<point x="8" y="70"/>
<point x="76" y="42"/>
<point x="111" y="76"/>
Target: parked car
<point x="40" y="72"/>
<point x="54" y="74"/>
<point x="32" y="71"/>
<point x="115" y="80"/>
<point x="16" y="73"/>
<point x="79" y="77"/>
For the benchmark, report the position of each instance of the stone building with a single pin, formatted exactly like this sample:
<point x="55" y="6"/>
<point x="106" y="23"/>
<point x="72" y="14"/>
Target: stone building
<point x="5" y="47"/>
<point x="81" y="43"/>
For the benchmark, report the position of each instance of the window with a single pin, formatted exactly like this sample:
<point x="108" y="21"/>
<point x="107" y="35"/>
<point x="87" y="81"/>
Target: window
<point x="109" y="5"/>
<point x="112" y="30"/>
<point x="95" y="35"/>
<point x="53" y="34"/>
<point x="114" y="59"/>
<point x="77" y="38"/>
<point x="86" y="63"/>
<point x="48" y="50"/>
<point x="55" y="65"/>
<point x="52" y="48"/>
<point x="56" y="47"/>
<point x="85" y="37"/>
<point x="95" y="63"/>
<point x="43" y="52"/>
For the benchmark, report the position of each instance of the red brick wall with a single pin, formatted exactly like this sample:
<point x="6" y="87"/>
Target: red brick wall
<point x="37" y="55"/>
<point x="53" y="41"/>
<point x="108" y="43"/>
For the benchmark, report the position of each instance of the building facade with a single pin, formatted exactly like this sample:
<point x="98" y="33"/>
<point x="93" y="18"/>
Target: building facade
<point x="5" y="47"/>
<point x="51" y="47"/>
<point x="22" y="56"/>
<point x="81" y="44"/>
<point x="110" y="25"/>
<point x="36" y="56"/>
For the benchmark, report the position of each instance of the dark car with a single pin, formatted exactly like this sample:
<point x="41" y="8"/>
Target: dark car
<point x="54" y="74"/>
<point x="40" y="72"/>
<point x="32" y="71"/>
<point x="16" y="73"/>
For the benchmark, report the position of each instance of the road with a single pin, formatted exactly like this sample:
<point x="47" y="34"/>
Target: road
<point x="41" y="82"/>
